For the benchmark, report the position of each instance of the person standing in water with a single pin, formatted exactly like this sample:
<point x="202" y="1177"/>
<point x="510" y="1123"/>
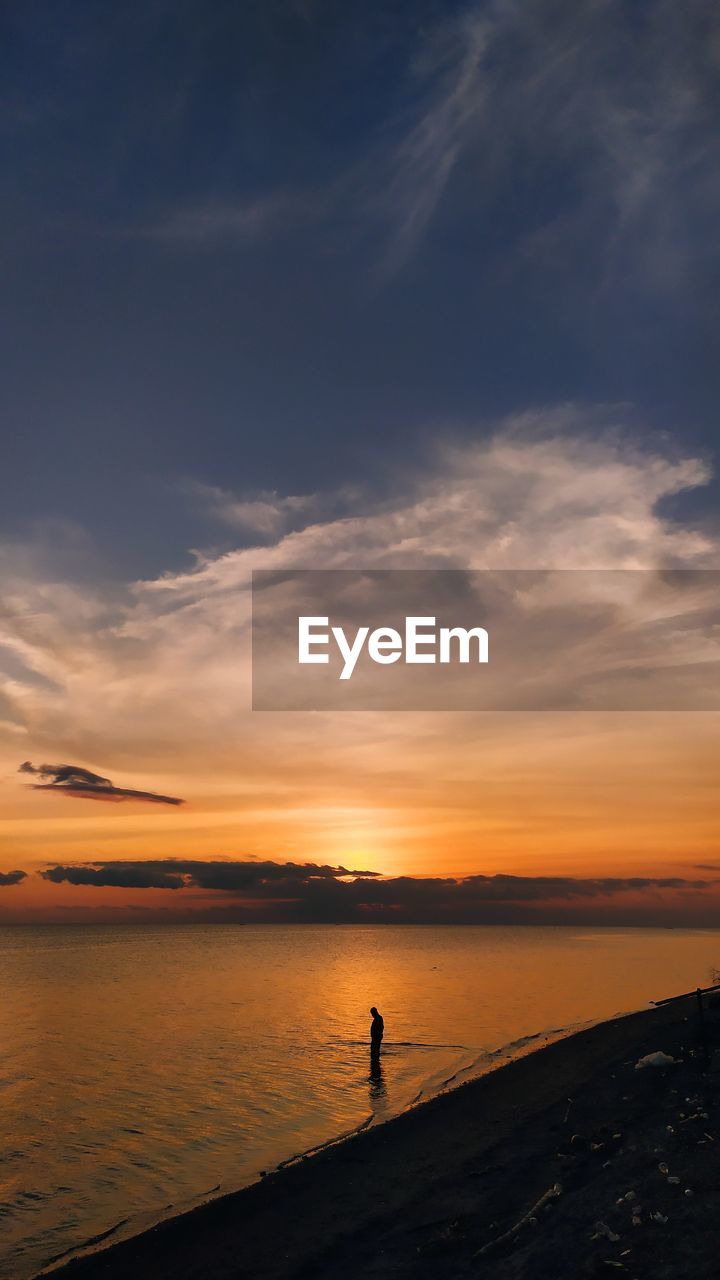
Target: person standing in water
<point x="377" y="1028"/>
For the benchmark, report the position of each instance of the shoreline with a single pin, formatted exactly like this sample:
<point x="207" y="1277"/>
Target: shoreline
<point x="402" y="1189"/>
<point x="490" y="1060"/>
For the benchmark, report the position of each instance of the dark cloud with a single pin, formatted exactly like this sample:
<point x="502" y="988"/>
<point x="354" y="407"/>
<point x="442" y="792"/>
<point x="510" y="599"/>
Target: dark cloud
<point x="73" y="780"/>
<point x="274" y="891"/>
<point x="123" y="876"/>
<point x="180" y="873"/>
<point x="268" y="878"/>
<point x="12" y="877"/>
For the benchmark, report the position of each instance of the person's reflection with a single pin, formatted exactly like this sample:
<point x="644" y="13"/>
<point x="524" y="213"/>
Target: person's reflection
<point x="376" y="1080"/>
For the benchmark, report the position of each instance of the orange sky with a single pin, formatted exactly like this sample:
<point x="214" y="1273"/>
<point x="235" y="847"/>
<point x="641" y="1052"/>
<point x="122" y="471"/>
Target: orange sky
<point x="149" y="684"/>
<point x="593" y="795"/>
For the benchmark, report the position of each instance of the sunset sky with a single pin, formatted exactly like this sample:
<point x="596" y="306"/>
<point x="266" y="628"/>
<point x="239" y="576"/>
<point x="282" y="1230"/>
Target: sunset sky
<point x="298" y="285"/>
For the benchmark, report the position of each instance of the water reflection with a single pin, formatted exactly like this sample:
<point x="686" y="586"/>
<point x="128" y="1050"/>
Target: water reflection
<point x="376" y="1081"/>
<point x="149" y="1100"/>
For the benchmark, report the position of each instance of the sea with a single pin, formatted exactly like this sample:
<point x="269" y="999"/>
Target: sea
<point x="144" y="1069"/>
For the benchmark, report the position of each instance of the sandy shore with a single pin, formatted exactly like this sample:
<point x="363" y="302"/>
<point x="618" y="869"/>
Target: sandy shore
<point x="436" y="1191"/>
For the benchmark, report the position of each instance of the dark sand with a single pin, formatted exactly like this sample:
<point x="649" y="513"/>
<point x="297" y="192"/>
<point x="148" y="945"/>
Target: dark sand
<point x="421" y="1195"/>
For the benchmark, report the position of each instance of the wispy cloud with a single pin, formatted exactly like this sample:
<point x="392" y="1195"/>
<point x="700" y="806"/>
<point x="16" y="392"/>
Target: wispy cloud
<point x="266" y="515"/>
<point x="242" y="222"/>
<point x="613" y="109"/>
<point x="74" y="780"/>
<point x="453" y="93"/>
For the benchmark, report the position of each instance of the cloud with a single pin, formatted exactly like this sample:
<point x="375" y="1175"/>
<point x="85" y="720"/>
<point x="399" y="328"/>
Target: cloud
<point x="73" y="780"/>
<point x="12" y="877"/>
<point x="266" y="514"/>
<point x="66" y="774"/>
<point x="156" y="675"/>
<point x="166" y="661"/>
<point x="556" y="488"/>
<point x="116" y="876"/>
<point x="622" y="640"/>
<point x="419" y="166"/>
<point x="607" y="116"/>
<point x="619" y="116"/>
<point x="242" y="222"/>
<point x="316" y="892"/>
<point x="181" y="873"/>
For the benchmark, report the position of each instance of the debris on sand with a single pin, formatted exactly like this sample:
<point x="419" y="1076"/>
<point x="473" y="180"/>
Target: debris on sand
<point x="527" y="1220"/>
<point x="657" y="1059"/>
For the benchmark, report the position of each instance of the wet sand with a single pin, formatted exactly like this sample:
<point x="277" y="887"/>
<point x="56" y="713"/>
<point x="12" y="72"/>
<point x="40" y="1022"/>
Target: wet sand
<point x="440" y="1190"/>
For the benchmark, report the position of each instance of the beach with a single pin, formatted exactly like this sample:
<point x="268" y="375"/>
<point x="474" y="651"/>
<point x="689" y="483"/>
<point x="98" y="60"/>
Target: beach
<point x="614" y="1168"/>
<point x="153" y="1104"/>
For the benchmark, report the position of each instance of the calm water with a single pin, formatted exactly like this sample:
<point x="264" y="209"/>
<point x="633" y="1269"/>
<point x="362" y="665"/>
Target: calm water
<point x="144" y="1067"/>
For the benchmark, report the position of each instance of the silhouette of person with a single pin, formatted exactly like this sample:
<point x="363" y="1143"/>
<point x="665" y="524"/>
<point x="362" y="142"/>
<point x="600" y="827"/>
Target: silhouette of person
<point x="377" y="1028"/>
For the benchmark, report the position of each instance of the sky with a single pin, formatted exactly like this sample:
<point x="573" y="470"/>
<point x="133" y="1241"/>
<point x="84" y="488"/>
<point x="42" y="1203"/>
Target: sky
<point x="317" y="286"/>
